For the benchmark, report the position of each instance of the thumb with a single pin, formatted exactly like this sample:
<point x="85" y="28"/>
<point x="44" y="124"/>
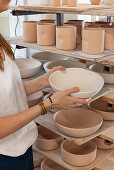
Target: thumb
<point x="73" y="90"/>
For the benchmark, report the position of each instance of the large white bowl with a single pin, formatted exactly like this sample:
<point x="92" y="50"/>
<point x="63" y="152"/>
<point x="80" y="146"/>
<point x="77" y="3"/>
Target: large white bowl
<point x="65" y="63"/>
<point x="90" y="83"/>
<point x="108" y="78"/>
<point x="28" y="67"/>
<point x="45" y="57"/>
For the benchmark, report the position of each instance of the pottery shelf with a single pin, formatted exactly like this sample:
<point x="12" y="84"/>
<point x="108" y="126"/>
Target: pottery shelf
<point x="84" y="9"/>
<point x="18" y="41"/>
<point x="56" y="157"/>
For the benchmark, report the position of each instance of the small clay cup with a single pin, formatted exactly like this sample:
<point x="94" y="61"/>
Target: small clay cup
<point x="95" y="2"/>
<point x="30" y="31"/>
<point x="78" y="155"/>
<point x="109" y="38"/>
<point x="46" y="34"/>
<point x="66" y="37"/>
<point x="72" y="3"/>
<point x="50" y="165"/>
<point x="47" y="140"/>
<point x="103" y="143"/>
<point x="64" y="2"/>
<point x="56" y="2"/>
<point x="93" y="40"/>
<point x="103" y="108"/>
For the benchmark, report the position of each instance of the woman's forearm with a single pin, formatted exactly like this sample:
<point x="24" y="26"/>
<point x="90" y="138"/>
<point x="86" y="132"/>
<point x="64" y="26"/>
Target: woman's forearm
<point x="11" y="124"/>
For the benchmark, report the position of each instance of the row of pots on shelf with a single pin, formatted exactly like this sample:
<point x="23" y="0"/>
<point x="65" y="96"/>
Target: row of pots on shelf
<point x="94" y="40"/>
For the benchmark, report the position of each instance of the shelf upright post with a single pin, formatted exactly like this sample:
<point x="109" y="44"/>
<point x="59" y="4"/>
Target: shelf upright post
<point x="59" y="19"/>
<point x="109" y="18"/>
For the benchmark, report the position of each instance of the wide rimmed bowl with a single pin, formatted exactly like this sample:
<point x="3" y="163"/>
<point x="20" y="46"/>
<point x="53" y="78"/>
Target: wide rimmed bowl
<point x="78" y="122"/>
<point x="90" y="83"/>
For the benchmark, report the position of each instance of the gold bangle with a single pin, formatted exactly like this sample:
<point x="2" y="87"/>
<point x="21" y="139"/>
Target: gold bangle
<point x="43" y="108"/>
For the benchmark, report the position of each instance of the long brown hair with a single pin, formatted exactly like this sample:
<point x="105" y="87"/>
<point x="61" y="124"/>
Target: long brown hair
<point x="7" y="48"/>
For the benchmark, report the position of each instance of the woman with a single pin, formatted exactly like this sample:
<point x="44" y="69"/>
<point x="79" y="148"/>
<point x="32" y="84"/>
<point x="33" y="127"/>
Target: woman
<point x="17" y="129"/>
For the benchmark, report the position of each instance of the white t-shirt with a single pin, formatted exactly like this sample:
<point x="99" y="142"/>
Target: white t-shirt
<point x="12" y="101"/>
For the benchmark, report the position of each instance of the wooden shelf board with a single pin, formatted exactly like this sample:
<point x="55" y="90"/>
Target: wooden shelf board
<point x="52" y="49"/>
<point x="108" y="134"/>
<point x="56" y="157"/>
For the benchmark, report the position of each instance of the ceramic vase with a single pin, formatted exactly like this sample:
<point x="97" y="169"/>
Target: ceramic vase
<point x="93" y="40"/>
<point x="109" y="38"/>
<point x="72" y="3"/>
<point x="46" y="34"/>
<point x="95" y="2"/>
<point x="66" y="37"/>
<point x="30" y="31"/>
<point x="56" y="2"/>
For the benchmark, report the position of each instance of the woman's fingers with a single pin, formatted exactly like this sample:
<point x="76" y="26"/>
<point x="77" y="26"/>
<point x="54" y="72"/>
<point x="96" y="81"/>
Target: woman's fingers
<point x="80" y="100"/>
<point x="73" y="90"/>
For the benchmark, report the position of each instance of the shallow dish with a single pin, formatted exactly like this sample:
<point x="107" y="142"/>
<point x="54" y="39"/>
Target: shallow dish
<point x="78" y="122"/>
<point x="103" y="108"/>
<point x="108" y="77"/>
<point x="90" y="83"/>
<point x="50" y="165"/>
<point x="65" y="63"/>
<point x="47" y="140"/>
<point x="78" y="155"/>
<point x="28" y="67"/>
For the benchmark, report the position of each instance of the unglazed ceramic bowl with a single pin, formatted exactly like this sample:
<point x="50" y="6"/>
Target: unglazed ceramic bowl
<point x="64" y="2"/>
<point x="108" y="2"/>
<point x="77" y="77"/>
<point x="78" y="155"/>
<point x="72" y="3"/>
<point x="99" y="68"/>
<point x="47" y="140"/>
<point x="50" y="165"/>
<point x="56" y="2"/>
<point x="65" y="63"/>
<point x="109" y="38"/>
<point x="103" y="108"/>
<point x="78" y="122"/>
<point x="95" y="2"/>
<point x="103" y="143"/>
<point x="28" y="67"/>
<point x="45" y="57"/>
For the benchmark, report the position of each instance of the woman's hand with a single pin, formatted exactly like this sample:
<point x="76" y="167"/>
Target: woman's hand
<point x="45" y="77"/>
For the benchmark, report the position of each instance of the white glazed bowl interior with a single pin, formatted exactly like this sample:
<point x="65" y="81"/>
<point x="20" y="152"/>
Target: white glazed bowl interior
<point x="108" y="77"/>
<point x="90" y="83"/>
<point x="65" y="63"/>
<point x="28" y="67"/>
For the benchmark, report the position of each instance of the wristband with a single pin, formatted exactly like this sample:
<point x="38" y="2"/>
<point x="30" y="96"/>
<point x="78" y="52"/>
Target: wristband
<point x="52" y="104"/>
<point x="43" y="108"/>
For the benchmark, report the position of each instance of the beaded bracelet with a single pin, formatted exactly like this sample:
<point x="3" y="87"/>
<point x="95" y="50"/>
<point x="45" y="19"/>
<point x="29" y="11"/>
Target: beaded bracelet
<point x="43" y="108"/>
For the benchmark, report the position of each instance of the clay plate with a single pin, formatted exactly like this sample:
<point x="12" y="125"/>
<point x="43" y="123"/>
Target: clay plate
<point x="78" y="122"/>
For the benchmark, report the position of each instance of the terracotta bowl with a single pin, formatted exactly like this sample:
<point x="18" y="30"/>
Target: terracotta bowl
<point x="47" y="140"/>
<point x="64" y="2"/>
<point x="45" y="57"/>
<point x="65" y="63"/>
<point x="84" y="79"/>
<point x="93" y="40"/>
<point x="78" y="155"/>
<point x="50" y="165"/>
<point x="103" y="143"/>
<point x="72" y="3"/>
<point x="78" y="122"/>
<point x="33" y="99"/>
<point x="109" y="38"/>
<point x="95" y="2"/>
<point x="103" y="108"/>
<point x="28" y="67"/>
<point x="46" y="34"/>
<point x="56" y="2"/>
<point x="99" y="68"/>
<point x="30" y="31"/>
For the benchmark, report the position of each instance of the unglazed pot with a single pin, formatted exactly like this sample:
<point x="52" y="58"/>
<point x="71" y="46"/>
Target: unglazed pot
<point x="103" y="108"/>
<point x="30" y="31"/>
<point x="56" y="2"/>
<point x="93" y="40"/>
<point x="50" y="165"/>
<point x="78" y="155"/>
<point x="104" y="71"/>
<point x="47" y="140"/>
<point x="65" y="2"/>
<point x="66" y="37"/>
<point x="95" y="2"/>
<point x="72" y="3"/>
<point x="109" y="38"/>
<point x="108" y="2"/>
<point x="46" y="34"/>
<point x="103" y="143"/>
<point x="78" y="122"/>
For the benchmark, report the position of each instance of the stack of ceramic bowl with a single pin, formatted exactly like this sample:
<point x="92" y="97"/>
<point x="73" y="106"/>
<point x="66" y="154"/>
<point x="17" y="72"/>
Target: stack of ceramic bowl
<point x="47" y="140"/>
<point x="96" y="2"/>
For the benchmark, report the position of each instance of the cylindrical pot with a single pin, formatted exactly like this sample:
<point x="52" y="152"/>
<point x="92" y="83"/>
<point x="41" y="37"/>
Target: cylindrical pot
<point x="72" y="3"/>
<point x="56" y="2"/>
<point x="65" y="2"/>
<point x="95" y="2"/>
<point x="30" y="31"/>
<point x="46" y="34"/>
<point x="108" y="2"/>
<point x="47" y="20"/>
<point x="66" y="37"/>
<point x="47" y="140"/>
<point x="93" y="40"/>
<point x="78" y="155"/>
<point x="103" y="143"/>
<point x="109" y="38"/>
